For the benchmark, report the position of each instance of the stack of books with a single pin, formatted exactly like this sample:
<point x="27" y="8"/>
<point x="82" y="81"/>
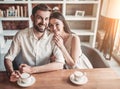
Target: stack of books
<point x="14" y="11"/>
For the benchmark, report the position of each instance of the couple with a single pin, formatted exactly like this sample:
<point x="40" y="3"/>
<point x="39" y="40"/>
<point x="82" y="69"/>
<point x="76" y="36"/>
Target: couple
<point x="38" y="44"/>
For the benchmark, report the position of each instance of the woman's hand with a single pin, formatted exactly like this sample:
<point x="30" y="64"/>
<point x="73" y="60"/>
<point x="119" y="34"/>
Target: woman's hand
<point x="58" y="40"/>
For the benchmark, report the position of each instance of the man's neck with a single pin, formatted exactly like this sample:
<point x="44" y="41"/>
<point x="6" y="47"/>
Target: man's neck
<point x="38" y="34"/>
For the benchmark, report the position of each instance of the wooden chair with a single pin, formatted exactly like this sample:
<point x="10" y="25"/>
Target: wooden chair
<point x="95" y="57"/>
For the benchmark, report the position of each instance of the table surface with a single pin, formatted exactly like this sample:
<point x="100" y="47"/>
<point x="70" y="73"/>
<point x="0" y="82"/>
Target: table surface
<point x="99" y="78"/>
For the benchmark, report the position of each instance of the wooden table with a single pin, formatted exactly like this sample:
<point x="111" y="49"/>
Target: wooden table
<point x="100" y="78"/>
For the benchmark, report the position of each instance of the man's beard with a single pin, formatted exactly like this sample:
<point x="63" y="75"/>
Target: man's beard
<point x="39" y="28"/>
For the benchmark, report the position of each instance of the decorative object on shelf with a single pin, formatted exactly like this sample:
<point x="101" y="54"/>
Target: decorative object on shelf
<point x="111" y="12"/>
<point x="79" y="13"/>
<point x="56" y="8"/>
<point x="11" y="12"/>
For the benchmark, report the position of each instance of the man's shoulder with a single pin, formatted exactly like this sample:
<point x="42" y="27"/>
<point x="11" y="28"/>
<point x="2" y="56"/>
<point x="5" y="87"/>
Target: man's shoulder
<point x="23" y="31"/>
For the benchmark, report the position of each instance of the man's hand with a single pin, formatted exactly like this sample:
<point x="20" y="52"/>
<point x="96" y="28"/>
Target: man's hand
<point x="52" y="58"/>
<point x="14" y="76"/>
<point x="25" y="68"/>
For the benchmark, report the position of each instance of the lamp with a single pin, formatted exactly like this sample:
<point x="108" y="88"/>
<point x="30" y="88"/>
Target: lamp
<point x="111" y="11"/>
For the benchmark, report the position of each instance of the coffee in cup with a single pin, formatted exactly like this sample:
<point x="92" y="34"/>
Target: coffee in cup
<point x="25" y="78"/>
<point x="78" y="75"/>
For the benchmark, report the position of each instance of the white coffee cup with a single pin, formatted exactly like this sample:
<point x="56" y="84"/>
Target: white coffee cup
<point x="78" y="75"/>
<point x="25" y="78"/>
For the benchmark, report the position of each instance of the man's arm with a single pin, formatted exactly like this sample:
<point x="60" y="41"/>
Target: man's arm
<point x="8" y="66"/>
<point x="44" y="68"/>
<point x="48" y="67"/>
<point x="12" y="74"/>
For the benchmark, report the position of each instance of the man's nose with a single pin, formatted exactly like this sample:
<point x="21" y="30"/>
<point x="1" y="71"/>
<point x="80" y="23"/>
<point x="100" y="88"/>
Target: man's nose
<point x="43" y="21"/>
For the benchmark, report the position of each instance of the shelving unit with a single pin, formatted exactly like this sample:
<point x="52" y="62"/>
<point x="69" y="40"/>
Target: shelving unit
<point x="84" y="26"/>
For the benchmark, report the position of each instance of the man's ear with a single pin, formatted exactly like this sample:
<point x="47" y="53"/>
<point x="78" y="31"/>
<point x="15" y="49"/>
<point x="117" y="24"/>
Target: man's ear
<point x="32" y="17"/>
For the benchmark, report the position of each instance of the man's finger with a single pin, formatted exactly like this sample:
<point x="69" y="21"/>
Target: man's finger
<point x="18" y="73"/>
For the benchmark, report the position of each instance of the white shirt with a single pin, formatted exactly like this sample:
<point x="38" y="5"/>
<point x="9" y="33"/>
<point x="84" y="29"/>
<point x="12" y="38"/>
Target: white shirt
<point x="34" y="51"/>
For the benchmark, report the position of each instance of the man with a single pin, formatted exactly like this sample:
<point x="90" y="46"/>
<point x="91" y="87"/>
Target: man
<point x="36" y="46"/>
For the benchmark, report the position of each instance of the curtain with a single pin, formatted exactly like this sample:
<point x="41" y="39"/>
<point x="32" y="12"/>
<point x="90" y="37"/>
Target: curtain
<point x="109" y="38"/>
<point x="116" y="49"/>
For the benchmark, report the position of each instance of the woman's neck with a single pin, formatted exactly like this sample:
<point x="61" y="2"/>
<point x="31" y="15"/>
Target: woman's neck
<point x="65" y="36"/>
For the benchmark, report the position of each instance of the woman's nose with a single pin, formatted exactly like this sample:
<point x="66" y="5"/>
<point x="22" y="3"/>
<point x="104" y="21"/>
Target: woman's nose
<point x="54" y="28"/>
<point x="55" y="31"/>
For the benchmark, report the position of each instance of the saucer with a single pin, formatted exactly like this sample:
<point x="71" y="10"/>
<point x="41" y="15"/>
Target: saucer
<point x="27" y="84"/>
<point x="80" y="82"/>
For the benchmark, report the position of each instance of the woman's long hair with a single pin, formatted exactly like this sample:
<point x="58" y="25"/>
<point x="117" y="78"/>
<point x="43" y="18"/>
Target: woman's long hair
<point x="58" y="15"/>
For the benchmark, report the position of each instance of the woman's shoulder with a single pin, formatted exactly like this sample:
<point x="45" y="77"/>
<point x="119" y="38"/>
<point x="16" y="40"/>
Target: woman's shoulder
<point x="75" y="37"/>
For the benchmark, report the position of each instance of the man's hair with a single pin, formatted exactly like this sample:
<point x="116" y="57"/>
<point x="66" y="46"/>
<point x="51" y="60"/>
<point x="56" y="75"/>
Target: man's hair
<point x="42" y="7"/>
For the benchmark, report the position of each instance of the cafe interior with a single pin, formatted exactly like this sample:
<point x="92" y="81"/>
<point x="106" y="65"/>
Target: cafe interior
<point x="96" y="22"/>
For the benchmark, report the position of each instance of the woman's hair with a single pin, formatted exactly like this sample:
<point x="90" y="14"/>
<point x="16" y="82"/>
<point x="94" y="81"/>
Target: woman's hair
<point x="42" y="7"/>
<point x="58" y="15"/>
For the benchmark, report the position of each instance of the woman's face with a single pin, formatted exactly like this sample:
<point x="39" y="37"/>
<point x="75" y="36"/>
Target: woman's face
<point x="56" y="25"/>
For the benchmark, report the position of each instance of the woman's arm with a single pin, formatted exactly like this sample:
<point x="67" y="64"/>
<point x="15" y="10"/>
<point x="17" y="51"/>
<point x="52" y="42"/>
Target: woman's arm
<point x="75" y="49"/>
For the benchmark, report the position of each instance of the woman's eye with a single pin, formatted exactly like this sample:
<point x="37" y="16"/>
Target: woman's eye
<point x="57" y="24"/>
<point x="50" y="25"/>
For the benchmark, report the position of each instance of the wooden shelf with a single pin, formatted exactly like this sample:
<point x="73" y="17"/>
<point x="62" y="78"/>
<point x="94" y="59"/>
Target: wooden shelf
<point x="13" y="18"/>
<point x="82" y="2"/>
<point x="82" y="25"/>
<point x="83" y="32"/>
<point x="13" y="2"/>
<point x="68" y="17"/>
<point x="10" y="32"/>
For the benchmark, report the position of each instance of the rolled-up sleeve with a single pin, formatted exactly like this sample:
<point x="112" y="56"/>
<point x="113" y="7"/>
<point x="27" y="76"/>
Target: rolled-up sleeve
<point x="14" y="48"/>
<point x="58" y="54"/>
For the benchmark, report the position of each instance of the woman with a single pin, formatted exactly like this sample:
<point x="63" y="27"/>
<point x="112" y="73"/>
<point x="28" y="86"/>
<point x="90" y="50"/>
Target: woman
<point x="68" y="43"/>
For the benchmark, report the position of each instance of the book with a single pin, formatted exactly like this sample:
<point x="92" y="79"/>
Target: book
<point x="21" y="11"/>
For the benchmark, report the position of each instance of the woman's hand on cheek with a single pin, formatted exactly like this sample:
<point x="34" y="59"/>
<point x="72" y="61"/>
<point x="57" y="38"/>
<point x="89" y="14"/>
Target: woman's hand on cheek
<point x="59" y="41"/>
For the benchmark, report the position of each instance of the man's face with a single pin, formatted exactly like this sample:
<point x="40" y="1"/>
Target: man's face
<point x="41" y="20"/>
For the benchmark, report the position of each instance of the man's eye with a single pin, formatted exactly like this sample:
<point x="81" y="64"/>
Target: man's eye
<point x="39" y="18"/>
